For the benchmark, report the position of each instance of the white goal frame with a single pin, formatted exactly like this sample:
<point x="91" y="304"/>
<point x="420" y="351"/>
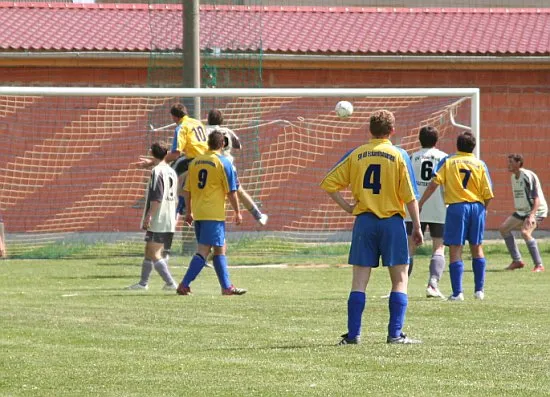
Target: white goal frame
<point x="472" y="93"/>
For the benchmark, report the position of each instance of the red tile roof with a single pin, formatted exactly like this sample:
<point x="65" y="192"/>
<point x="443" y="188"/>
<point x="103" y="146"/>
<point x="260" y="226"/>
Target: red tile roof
<point x="320" y="30"/>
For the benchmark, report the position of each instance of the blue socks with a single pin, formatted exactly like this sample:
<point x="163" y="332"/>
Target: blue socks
<point x="195" y="267"/>
<point x="398" y="307"/>
<point x="456" y="270"/>
<point x="478" y="266"/>
<point x="356" y="305"/>
<point x="220" y="265"/>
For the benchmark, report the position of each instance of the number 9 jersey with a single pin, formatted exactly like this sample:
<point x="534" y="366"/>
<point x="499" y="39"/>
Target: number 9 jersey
<point x="380" y="176"/>
<point x="424" y="163"/>
<point x="211" y="176"/>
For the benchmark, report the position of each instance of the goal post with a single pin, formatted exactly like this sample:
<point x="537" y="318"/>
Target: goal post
<point x="69" y="178"/>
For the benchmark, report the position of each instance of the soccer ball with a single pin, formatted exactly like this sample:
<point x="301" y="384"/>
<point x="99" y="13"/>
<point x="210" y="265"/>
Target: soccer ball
<point x="343" y="109"/>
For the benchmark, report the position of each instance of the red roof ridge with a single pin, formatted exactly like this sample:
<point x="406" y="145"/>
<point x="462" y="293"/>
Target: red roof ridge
<point x="94" y="6"/>
<point x="304" y="9"/>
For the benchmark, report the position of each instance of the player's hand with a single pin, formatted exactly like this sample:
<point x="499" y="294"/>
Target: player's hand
<point x="417" y="237"/>
<point x="144" y="162"/>
<point x="189" y="219"/>
<point x="530" y="221"/>
<point x="420" y="207"/>
<point x="351" y="207"/>
<point x="146" y="224"/>
<point x="238" y="218"/>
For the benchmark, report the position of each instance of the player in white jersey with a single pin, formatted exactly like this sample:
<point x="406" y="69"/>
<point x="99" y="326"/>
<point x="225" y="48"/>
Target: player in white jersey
<point x="159" y="219"/>
<point x="531" y="209"/>
<point x="215" y="120"/>
<point x="424" y="162"/>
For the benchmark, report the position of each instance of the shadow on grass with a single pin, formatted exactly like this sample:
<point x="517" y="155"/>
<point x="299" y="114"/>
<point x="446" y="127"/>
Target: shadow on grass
<point x="95" y="277"/>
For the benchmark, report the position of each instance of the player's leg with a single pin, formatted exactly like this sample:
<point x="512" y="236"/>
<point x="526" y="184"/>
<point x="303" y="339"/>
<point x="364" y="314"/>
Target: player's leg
<point x="363" y="255"/>
<point x="154" y="252"/>
<point x="146" y="266"/>
<point x="251" y="206"/>
<point x="197" y="261"/>
<point x="437" y="261"/>
<point x="454" y="236"/>
<point x="475" y="237"/>
<point x="393" y="246"/>
<point x="513" y="222"/>
<point x="217" y="232"/>
<point x="527" y="230"/>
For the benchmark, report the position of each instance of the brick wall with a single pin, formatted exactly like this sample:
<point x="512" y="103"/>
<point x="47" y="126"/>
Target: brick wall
<point x="515" y="107"/>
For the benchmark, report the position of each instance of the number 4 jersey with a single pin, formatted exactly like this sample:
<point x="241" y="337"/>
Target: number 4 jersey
<point x="380" y="177"/>
<point x="424" y="163"/>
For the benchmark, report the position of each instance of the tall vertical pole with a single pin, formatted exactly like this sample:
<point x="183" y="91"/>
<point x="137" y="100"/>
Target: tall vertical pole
<point x="191" y="52"/>
<point x="475" y="109"/>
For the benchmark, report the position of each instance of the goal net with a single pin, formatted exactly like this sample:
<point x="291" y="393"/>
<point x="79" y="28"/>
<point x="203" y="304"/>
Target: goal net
<point x="69" y="181"/>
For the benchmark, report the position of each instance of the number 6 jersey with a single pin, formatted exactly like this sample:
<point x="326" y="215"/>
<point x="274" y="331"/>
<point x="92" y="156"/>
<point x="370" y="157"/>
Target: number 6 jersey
<point x="424" y="163"/>
<point x="380" y="177"/>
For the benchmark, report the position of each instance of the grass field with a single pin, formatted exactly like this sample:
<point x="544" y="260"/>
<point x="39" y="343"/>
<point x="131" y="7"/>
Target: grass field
<point x="68" y="328"/>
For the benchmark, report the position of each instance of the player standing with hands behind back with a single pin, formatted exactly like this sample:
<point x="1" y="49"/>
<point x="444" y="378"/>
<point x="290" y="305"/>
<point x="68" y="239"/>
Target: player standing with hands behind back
<point x="468" y="191"/>
<point x="381" y="181"/>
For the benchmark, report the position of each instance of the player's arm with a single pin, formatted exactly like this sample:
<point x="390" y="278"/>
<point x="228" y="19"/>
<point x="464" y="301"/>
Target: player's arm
<point x="235" y="141"/>
<point x="172" y="156"/>
<point x="186" y="193"/>
<point x="234" y="201"/>
<point x="342" y="202"/>
<point x="154" y="207"/>
<point x="427" y="194"/>
<point x="230" y="187"/>
<point x="414" y="213"/>
<point x="338" y="179"/>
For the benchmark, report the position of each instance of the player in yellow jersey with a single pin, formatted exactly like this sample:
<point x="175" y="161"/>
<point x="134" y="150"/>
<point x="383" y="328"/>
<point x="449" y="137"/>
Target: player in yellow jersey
<point x="211" y="179"/>
<point x="467" y="192"/>
<point x="382" y="182"/>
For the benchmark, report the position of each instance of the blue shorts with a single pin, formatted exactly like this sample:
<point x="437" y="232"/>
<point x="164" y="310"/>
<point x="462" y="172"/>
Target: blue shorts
<point x="210" y="233"/>
<point x="464" y="221"/>
<point x="374" y="237"/>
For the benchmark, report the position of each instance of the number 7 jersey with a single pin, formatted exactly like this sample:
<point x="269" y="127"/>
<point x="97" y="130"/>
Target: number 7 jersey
<point x="380" y="177"/>
<point x="465" y="178"/>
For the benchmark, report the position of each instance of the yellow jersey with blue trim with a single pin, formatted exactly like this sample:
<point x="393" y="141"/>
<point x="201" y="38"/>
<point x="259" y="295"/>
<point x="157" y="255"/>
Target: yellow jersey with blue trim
<point x="191" y="137"/>
<point x="211" y="176"/>
<point x="466" y="179"/>
<point x="380" y="176"/>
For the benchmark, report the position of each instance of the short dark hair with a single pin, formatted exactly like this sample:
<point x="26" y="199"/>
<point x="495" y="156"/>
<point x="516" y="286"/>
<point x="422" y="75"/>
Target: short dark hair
<point x="466" y="142"/>
<point x="215" y="117"/>
<point x="159" y="151"/>
<point x="382" y="122"/>
<point x="518" y="158"/>
<point x="428" y="136"/>
<point x="178" y="110"/>
<point x="215" y="140"/>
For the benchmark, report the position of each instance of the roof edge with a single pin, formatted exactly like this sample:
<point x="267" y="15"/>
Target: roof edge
<point x="308" y="9"/>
